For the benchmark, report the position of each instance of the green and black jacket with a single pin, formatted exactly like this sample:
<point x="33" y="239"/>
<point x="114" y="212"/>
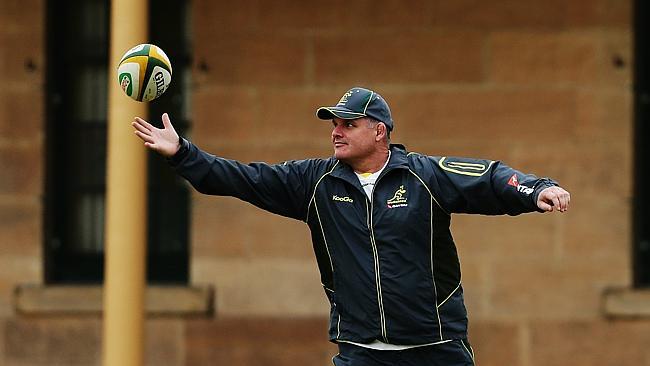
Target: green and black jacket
<point x="389" y="267"/>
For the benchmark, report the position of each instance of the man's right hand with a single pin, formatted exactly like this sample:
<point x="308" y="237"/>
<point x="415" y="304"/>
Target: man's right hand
<point x="164" y="141"/>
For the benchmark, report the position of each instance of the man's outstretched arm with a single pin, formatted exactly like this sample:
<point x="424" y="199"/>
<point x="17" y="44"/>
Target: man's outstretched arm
<point x="489" y="187"/>
<point x="283" y="189"/>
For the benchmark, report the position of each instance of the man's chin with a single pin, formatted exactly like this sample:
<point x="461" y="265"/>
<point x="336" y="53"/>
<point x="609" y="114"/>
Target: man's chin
<point x="340" y="155"/>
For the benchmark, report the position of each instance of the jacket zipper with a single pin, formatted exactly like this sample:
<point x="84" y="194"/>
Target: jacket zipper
<point x="382" y="315"/>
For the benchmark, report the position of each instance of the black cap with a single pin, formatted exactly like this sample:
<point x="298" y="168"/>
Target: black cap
<point x="356" y="103"/>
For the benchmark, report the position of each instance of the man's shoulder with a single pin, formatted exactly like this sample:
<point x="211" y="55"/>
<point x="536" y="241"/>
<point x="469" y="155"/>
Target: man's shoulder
<point x="313" y="165"/>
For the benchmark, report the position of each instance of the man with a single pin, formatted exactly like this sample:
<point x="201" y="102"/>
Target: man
<point x="379" y="219"/>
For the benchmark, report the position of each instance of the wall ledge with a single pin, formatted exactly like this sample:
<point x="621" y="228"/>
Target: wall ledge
<point x="627" y="302"/>
<point x="32" y="299"/>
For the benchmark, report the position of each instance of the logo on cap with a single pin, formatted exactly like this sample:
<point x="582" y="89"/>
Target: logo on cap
<point x="344" y="98"/>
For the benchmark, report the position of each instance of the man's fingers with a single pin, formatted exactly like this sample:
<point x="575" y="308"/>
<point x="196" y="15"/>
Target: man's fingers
<point x="167" y="123"/>
<point x="563" y="203"/>
<point x="556" y="201"/>
<point x="545" y="206"/>
<point x="144" y="137"/>
<point x="563" y="198"/>
<point x="144" y="123"/>
<point x="141" y="128"/>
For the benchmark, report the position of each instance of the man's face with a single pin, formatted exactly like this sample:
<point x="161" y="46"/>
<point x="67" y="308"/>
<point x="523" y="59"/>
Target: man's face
<point x="353" y="139"/>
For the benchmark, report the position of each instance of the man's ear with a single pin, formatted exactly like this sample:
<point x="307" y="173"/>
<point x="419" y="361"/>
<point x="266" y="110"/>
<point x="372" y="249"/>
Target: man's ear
<point x="380" y="131"/>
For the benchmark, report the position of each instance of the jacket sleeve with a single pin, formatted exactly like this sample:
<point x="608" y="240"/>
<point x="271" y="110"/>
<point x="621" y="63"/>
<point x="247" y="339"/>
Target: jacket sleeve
<point x="484" y="186"/>
<point x="283" y="189"/>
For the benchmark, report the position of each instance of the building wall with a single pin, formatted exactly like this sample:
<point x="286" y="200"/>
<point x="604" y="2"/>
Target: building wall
<point x="544" y="86"/>
<point x="21" y="146"/>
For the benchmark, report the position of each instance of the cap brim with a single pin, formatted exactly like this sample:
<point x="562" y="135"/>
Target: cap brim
<point x="337" y="112"/>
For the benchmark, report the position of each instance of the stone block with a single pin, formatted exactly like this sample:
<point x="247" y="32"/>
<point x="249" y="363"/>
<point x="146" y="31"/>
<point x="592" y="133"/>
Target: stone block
<point x="288" y="116"/>
<point x="577" y="166"/>
<point x="258" y="341"/>
<point x="164" y="342"/>
<point x="627" y="303"/>
<point x="73" y="341"/>
<point x="390" y="14"/>
<point x="251" y="59"/>
<point x="221" y="227"/>
<point x="212" y="17"/>
<point x="274" y="236"/>
<point x="22" y="172"/>
<point x="22" y="64"/>
<point x="495" y="116"/>
<point x="87" y="300"/>
<point x="617" y="63"/>
<point x="590" y="343"/>
<point x="495" y="343"/>
<point x="488" y="237"/>
<point x="339" y="14"/>
<point x="21" y="116"/>
<point x="20" y="228"/>
<point x="66" y="341"/>
<point x="604" y="117"/>
<point x="265" y="116"/>
<point x="598" y="226"/>
<point x="227" y="114"/>
<point x="502" y="14"/>
<point x="16" y="19"/>
<point x="264" y="287"/>
<point x="561" y="58"/>
<point x="544" y="58"/>
<point x="598" y="13"/>
<point x="533" y="14"/>
<point x="230" y="228"/>
<point x="542" y="289"/>
<point x="408" y="57"/>
<point x="16" y="269"/>
<point x="287" y="14"/>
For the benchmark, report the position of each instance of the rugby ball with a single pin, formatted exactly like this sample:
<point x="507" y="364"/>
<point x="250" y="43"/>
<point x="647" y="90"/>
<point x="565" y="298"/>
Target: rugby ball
<point x="144" y="72"/>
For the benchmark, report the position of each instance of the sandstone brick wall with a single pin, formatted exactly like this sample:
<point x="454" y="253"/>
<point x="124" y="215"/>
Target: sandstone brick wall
<point x="21" y="146"/>
<point x="543" y="85"/>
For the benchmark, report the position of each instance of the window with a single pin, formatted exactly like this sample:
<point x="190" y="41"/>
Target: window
<point x="76" y="100"/>
<point x="641" y="210"/>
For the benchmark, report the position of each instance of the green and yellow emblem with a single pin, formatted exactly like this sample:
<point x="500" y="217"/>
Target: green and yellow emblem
<point x="399" y="198"/>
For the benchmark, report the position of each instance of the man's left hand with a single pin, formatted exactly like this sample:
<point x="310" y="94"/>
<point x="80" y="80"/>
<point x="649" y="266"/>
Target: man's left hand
<point x="553" y="198"/>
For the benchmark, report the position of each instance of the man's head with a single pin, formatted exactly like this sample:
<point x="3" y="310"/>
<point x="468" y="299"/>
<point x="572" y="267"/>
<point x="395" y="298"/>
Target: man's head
<point x="361" y="126"/>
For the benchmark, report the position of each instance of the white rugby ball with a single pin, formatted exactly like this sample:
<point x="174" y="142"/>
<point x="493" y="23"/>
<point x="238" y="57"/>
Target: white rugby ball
<point x="144" y="72"/>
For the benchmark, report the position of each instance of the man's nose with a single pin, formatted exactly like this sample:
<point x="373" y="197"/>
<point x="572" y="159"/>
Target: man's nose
<point x="336" y="132"/>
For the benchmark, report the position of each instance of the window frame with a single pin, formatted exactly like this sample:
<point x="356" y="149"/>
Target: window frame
<point x="68" y="260"/>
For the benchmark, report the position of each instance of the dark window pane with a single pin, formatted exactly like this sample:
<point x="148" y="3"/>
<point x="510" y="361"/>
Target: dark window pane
<point x="641" y="209"/>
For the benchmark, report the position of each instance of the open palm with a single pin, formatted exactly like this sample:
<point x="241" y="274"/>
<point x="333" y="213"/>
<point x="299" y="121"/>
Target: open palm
<point x="164" y="141"/>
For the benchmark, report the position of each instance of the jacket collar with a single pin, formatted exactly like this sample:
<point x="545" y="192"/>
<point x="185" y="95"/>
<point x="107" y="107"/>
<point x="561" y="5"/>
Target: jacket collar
<point x="397" y="160"/>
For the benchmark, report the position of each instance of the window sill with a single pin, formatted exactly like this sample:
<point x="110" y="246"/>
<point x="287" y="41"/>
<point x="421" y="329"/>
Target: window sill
<point x="627" y="303"/>
<point x="87" y="300"/>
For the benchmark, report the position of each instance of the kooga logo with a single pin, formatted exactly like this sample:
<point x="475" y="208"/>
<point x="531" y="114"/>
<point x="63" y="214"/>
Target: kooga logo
<point x="342" y="199"/>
